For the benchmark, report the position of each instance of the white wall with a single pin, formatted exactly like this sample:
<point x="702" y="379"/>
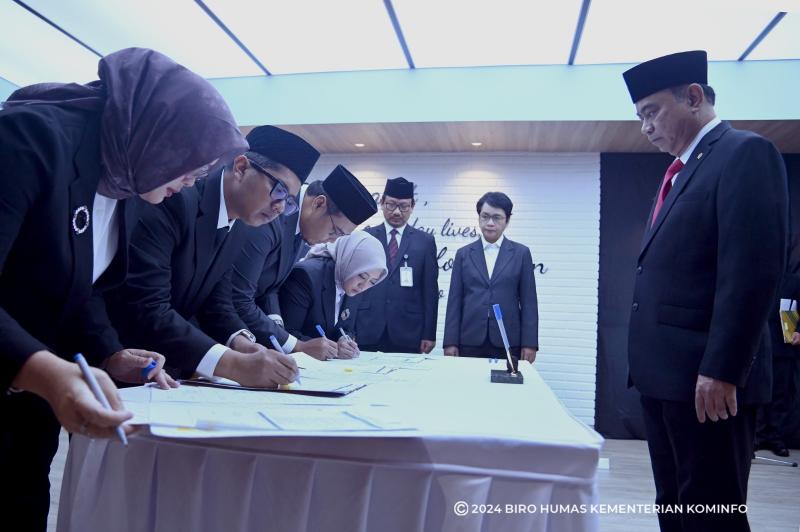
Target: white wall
<point x="556" y="214"/>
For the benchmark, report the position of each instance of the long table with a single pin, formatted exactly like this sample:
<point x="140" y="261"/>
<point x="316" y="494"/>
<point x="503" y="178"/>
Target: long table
<point x="481" y="457"/>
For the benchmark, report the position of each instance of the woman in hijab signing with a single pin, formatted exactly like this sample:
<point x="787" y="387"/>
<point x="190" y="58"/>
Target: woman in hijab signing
<point x="74" y="162"/>
<point x="322" y="289"/>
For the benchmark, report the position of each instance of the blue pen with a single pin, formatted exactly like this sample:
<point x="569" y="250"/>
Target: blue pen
<point x="148" y="368"/>
<point x="498" y="314"/>
<point x="320" y="330"/>
<point x="279" y="349"/>
<point x="98" y="393"/>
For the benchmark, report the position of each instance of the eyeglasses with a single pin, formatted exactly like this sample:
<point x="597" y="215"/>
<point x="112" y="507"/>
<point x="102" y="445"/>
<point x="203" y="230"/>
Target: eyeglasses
<point x="496" y="218"/>
<point x="279" y="191"/>
<point x="390" y="206"/>
<point x="337" y="232"/>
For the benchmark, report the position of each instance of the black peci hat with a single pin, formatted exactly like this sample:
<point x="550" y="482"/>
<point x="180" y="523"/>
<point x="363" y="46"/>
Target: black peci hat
<point x="284" y="148"/>
<point x="664" y="72"/>
<point x="347" y="192"/>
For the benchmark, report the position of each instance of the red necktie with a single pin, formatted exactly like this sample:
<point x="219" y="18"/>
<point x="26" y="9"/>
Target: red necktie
<point x="666" y="186"/>
<point x="392" y="246"/>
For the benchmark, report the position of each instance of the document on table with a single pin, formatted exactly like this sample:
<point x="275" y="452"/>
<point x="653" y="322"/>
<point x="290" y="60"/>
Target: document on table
<point x="219" y="396"/>
<point x="320" y="385"/>
<point x="252" y="420"/>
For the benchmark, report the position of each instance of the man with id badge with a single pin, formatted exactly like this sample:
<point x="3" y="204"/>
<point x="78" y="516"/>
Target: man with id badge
<point x="399" y="315"/>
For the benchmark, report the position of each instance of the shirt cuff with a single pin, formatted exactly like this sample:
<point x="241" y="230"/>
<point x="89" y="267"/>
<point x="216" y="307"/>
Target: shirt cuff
<point x="209" y="362"/>
<point x="288" y="346"/>
<point x="234" y="335"/>
<point x="276" y="318"/>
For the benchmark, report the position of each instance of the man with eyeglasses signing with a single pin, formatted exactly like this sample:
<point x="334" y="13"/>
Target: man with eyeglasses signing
<point x="399" y="315"/>
<point x="328" y="209"/>
<point x="177" y="299"/>
<point x="492" y="270"/>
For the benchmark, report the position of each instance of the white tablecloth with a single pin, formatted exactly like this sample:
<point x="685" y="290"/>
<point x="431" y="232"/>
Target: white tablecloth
<point x="512" y="448"/>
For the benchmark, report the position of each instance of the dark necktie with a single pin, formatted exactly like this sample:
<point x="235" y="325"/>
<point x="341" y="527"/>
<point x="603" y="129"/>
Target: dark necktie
<point x="666" y="186"/>
<point x="392" y="247"/>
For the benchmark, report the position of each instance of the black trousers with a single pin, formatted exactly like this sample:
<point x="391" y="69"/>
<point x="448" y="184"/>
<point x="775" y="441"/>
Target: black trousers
<point x="28" y="443"/>
<point x="699" y="464"/>
<point x="386" y="345"/>
<point x="772" y="417"/>
<point x="486" y="350"/>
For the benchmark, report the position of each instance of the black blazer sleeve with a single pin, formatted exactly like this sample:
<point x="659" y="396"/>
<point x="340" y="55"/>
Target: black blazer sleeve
<point x="296" y="296"/>
<point x="752" y="223"/>
<point x="146" y="295"/>
<point x="430" y="291"/>
<point x="529" y="305"/>
<point x="97" y="337"/>
<point x="21" y="183"/>
<point x="452" y="321"/>
<point x="260" y="250"/>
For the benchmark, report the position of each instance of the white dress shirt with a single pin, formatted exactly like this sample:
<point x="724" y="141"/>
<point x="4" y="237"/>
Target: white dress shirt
<point x="105" y="234"/>
<point x="490" y="252"/>
<point x="208" y="364"/>
<point x="338" y="305"/>
<point x="684" y="157"/>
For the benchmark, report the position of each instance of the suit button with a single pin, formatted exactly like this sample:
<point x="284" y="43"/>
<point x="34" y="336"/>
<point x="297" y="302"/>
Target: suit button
<point x="639" y="270"/>
<point x="635" y="306"/>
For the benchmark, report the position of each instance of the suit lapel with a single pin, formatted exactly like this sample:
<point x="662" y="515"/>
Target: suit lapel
<point x="479" y="260"/>
<point x="698" y="156"/>
<point x="505" y="256"/>
<point x="328" y="294"/>
<point x="81" y="203"/>
<point x="206" y="224"/>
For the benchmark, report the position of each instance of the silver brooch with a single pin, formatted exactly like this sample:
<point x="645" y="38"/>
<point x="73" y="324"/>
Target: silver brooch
<point x="345" y="314"/>
<point x="80" y="219"/>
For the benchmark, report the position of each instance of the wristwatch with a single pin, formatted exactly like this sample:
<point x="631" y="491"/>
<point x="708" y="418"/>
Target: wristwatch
<point x="247" y="334"/>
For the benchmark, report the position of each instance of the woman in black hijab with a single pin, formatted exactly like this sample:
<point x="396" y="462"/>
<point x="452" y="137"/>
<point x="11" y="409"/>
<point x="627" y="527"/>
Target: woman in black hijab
<point x="73" y="159"/>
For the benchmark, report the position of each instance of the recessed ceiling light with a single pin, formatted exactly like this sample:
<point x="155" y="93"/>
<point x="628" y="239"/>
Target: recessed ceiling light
<point x="476" y="144"/>
<point x="359" y="144"/>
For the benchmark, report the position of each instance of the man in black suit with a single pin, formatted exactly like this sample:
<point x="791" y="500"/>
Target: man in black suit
<point x="492" y="270"/>
<point x="177" y="298"/>
<point x="399" y="315"/>
<point x="771" y="429"/>
<point x="328" y="209"/>
<point x="707" y="276"/>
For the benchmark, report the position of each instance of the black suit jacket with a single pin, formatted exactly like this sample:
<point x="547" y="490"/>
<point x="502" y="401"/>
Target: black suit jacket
<point x="267" y="255"/>
<point x="308" y="298"/>
<point x="708" y="271"/>
<point x="50" y="162"/>
<point x="472" y="294"/>
<point x="409" y="313"/>
<point x="177" y="274"/>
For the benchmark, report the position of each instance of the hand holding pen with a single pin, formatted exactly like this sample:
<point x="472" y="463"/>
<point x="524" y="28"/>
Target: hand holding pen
<point x="348" y="348"/>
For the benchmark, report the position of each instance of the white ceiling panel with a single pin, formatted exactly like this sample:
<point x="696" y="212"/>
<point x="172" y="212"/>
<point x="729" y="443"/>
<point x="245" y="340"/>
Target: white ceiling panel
<point x="291" y="36"/>
<point x="783" y="42"/>
<point x="447" y="33"/>
<point x="32" y="51"/>
<point x="630" y="31"/>
<point x="177" y="28"/>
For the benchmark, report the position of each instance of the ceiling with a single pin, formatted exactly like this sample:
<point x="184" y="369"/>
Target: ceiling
<point x="540" y="136"/>
<point x="53" y="40"/>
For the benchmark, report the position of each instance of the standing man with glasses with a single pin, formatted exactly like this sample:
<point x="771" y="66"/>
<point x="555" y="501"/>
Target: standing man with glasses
<point x="399" y="315"/>
<point x="327" y="210"/>
<point x="177" y="298"/>
<point x="492" y="270"/>
<point x="707" y="277"/>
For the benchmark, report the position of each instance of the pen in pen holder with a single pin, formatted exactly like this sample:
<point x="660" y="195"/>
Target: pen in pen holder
<point x="511" y="375"/>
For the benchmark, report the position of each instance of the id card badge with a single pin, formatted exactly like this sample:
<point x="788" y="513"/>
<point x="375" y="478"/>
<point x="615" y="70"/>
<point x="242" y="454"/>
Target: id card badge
<point x="407" y="276"/>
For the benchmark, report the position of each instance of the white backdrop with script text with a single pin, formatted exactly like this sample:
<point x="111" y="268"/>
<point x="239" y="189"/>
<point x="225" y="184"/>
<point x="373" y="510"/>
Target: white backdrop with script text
<point x="556" y="214"/>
